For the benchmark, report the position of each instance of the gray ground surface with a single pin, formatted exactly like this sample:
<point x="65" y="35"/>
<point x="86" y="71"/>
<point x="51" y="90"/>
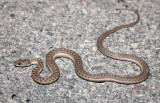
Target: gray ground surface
<point x="30" y="28"/>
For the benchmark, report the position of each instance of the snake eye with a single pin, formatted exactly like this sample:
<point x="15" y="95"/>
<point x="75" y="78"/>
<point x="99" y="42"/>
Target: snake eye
<point x="19" y="63"/>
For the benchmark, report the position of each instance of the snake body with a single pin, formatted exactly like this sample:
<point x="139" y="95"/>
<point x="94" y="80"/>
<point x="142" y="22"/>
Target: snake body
<point x="79" y="69"/>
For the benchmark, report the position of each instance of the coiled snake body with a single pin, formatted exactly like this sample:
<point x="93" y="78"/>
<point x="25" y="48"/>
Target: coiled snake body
<point x="80" y="71"/>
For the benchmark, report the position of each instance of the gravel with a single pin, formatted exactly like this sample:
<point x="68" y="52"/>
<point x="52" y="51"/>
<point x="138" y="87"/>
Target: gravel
<point x="34" y="27"/>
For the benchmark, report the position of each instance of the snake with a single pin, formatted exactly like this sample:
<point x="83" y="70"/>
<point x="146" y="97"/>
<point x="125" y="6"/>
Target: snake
<point x="78" y="63"/>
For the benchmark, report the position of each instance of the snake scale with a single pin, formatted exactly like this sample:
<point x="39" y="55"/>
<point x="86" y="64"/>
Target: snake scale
<point x="79" y="69"/>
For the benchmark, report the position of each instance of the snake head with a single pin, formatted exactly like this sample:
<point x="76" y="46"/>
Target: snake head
<point x="22" y="63"/>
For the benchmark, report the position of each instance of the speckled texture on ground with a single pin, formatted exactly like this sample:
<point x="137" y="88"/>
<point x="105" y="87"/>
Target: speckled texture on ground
<point x="31" y="28"/>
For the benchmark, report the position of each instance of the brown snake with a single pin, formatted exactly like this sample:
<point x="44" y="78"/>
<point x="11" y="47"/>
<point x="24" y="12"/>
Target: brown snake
<point x="80" y="71"/>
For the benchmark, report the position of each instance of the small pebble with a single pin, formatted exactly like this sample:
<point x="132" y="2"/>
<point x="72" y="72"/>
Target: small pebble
<point x="54" y="24"/>
<point x="71" y="11"/>
<point x="146" y="88"/>
<point x="12" y="15"/>
<point x="90" y="30"/>
<point x="134" y="45"/>
<point x="140" y="95"/>
<point x="136" y="87"/>
<point x="4" y="49"/>
<point x="144" y="83"/>
<point x="84" y="11"/>
<point x="1" y="93"/>
<point x="90" y="83"/>
<point x="1" y="6"/>
<point x="41" y="30"/>
<point x="28" y="100"/>
<point x="120" y="1"/>
<point x="94" y="49"/>
<point x="31" y="39"/>
<point x="13" y="95"/>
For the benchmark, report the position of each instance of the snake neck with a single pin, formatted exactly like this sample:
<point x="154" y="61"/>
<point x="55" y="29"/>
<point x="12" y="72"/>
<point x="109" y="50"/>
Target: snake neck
<point x="39" y="64"/>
